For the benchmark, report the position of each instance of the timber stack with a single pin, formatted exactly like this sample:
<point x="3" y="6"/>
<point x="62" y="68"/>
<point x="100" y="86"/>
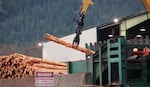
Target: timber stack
<point x="20" y="66"/>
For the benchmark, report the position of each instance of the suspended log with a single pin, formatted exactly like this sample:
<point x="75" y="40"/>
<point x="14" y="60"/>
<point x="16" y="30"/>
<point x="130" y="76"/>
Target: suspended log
<point x="59" y="41"/>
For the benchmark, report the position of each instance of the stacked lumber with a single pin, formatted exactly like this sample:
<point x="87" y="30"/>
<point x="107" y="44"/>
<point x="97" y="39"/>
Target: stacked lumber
<point x="18" y="66"/>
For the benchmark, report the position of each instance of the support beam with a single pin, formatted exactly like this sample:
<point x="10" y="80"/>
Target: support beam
<point x="59" y="41"/>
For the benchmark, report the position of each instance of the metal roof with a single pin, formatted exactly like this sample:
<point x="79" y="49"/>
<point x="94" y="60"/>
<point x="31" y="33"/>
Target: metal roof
<point x="109" y="24"/>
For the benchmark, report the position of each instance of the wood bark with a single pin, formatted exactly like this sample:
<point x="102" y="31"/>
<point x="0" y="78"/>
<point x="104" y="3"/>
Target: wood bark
<point x="19" y="66"/>
<point x="62" y="42"/>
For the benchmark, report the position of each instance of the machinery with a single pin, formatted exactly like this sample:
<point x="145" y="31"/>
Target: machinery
<point x="147" y="4"/>
<point x="115" y="64"/>
<point x="80" y="21"/>
<point x="144" y="52"/>
<point x="118" y="63"/>
<point x="81" y="14"/>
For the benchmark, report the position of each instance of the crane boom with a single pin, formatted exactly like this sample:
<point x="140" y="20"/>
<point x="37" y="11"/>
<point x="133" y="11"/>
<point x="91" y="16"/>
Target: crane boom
<point x="85" y="5"/>
<point x="80" y="21"/>
<point x="147" y="4"/>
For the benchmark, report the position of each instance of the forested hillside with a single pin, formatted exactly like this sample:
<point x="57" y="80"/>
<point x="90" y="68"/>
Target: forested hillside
<point x="26" y="21"/>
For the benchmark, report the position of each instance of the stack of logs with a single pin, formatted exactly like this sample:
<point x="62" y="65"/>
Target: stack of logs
<point x="19" y="66"/>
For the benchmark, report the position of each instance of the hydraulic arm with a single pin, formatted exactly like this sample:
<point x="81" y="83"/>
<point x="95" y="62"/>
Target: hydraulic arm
<point x="80" y="21"/>
<point x="147" y="4"/>
<point x="85" y="5"/>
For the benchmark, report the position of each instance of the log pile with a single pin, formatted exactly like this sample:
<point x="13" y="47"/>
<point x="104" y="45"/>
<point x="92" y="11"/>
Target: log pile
<point x="19" y="66"/>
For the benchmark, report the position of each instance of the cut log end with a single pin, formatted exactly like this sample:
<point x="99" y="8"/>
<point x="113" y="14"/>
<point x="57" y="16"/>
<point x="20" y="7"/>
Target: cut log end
<point x="20" y="66"/>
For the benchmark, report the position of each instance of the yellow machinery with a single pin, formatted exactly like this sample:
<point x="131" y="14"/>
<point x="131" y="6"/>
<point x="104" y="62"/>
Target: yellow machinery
<point x="85" y="5"/>
<point x="80" y="21"/>
<point x="147" y="4"/>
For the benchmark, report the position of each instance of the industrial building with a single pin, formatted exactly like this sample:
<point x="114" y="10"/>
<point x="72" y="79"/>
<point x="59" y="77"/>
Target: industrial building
<point x="114" y="54"/>
<point x="128" y="27"/>
<point x="122" y="58"/>
<point x="114" y="63"/>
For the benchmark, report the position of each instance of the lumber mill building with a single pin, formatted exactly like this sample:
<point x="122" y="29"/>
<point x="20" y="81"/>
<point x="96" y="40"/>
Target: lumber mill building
<point x="115" y="54"/>
<point x="121" y="58"/>
<point x="130" y="27"/>
<point x="122" y="53"/>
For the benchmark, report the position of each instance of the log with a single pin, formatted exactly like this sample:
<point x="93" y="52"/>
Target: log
<point x="51" y="70"/>
<point x="59" y="41"/>
<point x="19" y="66"/>
<point x="38" y="60"/>
<point x="46" y="66"/>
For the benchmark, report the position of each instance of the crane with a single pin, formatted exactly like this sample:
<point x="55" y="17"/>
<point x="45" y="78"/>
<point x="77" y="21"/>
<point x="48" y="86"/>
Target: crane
<point x="147" y="4"/>
<point x="81" y="14"/>
<point x="80" y="21"/>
